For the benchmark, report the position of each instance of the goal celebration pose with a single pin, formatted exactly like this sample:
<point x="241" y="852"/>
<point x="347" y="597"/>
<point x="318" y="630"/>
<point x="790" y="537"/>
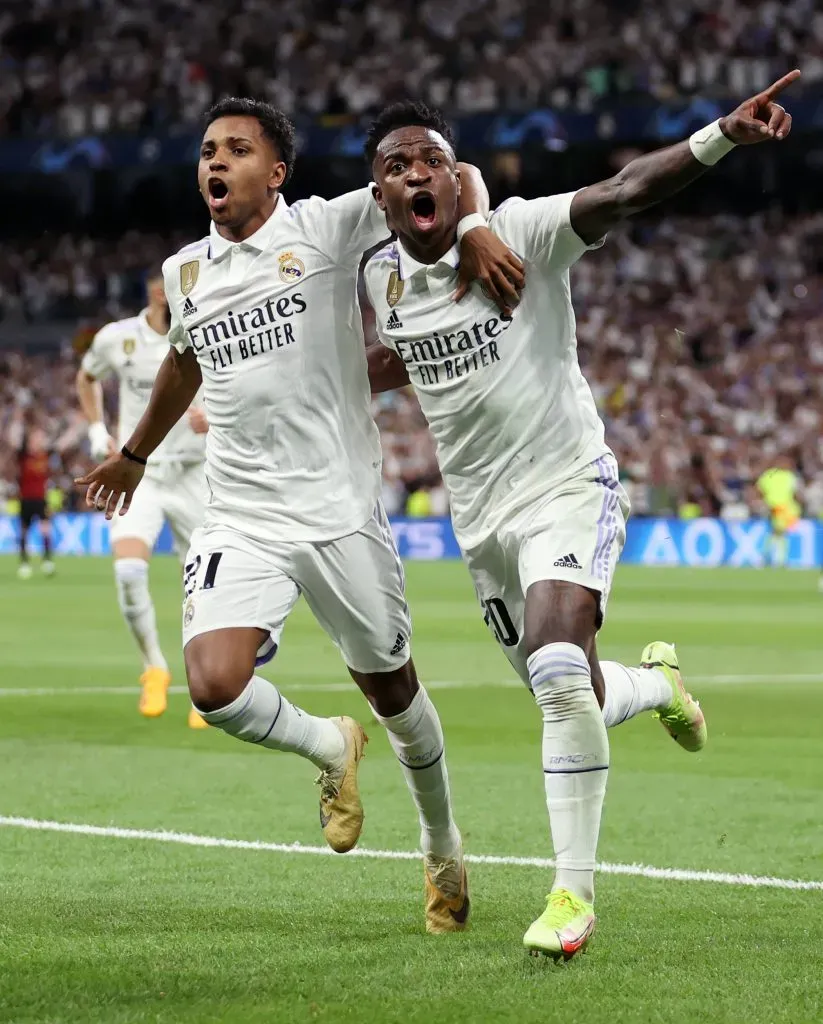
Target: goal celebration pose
<point x="536" y="502"/>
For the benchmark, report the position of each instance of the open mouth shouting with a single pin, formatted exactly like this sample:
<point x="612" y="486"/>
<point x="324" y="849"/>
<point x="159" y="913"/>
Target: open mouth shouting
<point x="424" y="211"/>
<point x="218" y="193"/>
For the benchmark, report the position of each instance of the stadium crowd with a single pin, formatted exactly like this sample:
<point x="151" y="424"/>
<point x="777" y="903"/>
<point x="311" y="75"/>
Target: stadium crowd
<point x="73" y="67"/>
<point x="702" y="339"/>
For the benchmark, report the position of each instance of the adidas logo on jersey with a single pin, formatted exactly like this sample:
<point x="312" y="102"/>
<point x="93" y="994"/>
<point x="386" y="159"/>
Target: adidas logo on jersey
<point x="567" y="562"/>
<point x="394" y="321"/>
<point x="399" y="644"/>
<point x="189" y="307"/>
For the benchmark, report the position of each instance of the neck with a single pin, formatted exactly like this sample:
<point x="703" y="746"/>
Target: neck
<point x="157" y="317"/>
<point x="240" y="232"/>
<point x="429" y="252"/>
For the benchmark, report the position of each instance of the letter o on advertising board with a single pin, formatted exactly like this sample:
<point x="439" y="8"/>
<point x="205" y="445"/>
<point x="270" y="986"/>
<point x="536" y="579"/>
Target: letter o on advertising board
<point x="704" y="543"/>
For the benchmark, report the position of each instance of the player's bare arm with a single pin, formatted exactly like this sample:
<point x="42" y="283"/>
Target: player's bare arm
<point x="90" y="397"/>
<point x="178" y="381"/>
<point x="483" y="256"/>
<point x="387" y="371"/>
<point x="656" y="176"/>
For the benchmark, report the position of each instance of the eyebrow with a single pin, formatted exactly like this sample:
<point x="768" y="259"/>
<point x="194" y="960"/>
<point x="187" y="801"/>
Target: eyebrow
<point x="402" y="148"/>
<point x="231" y="139"/>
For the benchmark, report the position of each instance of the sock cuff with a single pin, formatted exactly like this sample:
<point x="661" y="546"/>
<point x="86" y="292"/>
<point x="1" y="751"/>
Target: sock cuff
<point x="558" y="659"/>
<point x="233" y="710"/>
<point x="409" y="719"/>
<point x="131" y="568"/>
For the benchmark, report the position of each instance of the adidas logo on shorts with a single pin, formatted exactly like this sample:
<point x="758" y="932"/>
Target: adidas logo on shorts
<point x="394" y="321"/>
<point x="189" y="308"/>
<point x="399" y="644"/>
<point x="567" y="562"/>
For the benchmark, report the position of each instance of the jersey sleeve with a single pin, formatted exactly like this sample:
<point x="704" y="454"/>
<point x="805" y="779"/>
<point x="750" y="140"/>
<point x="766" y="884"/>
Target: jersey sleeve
<point x="177" y="335"/>
<point x="540" y="230"/>
<point x="345" y="227"/>
<point x="97" y="360"/>
<point x="371" y="272"/>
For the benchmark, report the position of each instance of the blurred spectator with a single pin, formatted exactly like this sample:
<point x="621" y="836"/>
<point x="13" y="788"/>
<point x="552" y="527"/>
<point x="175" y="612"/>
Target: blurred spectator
<point x="73" y="67"/>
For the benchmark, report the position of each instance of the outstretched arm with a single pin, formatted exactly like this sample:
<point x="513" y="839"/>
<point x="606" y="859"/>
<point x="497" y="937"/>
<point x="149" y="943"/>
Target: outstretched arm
<point x="387" y="371"/>
<point x="656" y="176"/>
<point x="177" y="382"/>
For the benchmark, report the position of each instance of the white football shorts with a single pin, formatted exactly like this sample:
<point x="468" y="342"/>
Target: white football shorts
<point x="576" y="533"/>
<point x="355" y="587"/>
<point x="177" y="493"/>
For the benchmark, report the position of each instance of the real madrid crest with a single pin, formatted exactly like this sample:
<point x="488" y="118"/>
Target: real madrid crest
<point x="394" y="289"/>
<point x="189" y="272"/>
<point x="188" y="614"/>
<point x="292" y="268"/>
<point x="129" y="345"/>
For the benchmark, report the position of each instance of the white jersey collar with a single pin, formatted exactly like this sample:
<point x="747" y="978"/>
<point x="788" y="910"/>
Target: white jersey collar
<point x="143" y="317"/>
<point x="260" y="241"/>
<point x="408" y="266"/>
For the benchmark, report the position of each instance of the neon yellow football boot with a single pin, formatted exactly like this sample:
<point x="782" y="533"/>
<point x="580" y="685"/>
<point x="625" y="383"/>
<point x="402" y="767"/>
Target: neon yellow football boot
<point x="682" y="718"/>
<point x="563" y="929"/>
<point x="341" y="809"/>
<point x="196" y="720"/>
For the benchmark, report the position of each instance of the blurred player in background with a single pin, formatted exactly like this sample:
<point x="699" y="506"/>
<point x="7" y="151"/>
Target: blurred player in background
<point x="174" y="489"/>
<point x="32" y="480"/>
<point x="778" y="487"/>
<point x="264" y="313"/>
<point x="536" y="501"/>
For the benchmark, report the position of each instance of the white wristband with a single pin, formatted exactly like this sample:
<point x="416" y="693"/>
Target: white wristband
<point x="710" y="144"/>
<point x="473" y="220"/>
<point x="98" y="439"/>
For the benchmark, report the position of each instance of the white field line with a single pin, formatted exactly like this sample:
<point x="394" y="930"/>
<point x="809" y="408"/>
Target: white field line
<point x="187" y="839"/>
<point x="441" y="684"/>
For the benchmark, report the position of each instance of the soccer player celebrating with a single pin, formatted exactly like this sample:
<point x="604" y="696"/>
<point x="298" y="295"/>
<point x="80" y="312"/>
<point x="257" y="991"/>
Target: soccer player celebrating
<point x="535" y="498"/>
<point x="264" y="312"/>
<point x="174" y="487"/>
<point x="33" y="477"/>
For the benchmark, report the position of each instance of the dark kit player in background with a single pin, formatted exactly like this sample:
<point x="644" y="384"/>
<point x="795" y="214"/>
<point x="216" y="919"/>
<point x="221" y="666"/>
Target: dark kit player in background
<point x="32" y="482"/>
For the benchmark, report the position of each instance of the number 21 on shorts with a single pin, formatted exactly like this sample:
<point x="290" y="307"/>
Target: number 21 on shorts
<point x="192" y="568"/>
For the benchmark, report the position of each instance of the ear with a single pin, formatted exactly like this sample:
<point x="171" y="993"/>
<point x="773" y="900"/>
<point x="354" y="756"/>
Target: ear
<point x="277" y="176"/>
<point x="377" y="192"/>
<point x="459" y="183"/>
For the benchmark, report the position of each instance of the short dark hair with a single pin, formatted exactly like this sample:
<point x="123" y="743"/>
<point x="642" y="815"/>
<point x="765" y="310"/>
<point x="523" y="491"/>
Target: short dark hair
<point x="276" y="127"/>
<point x="405" y="114"/>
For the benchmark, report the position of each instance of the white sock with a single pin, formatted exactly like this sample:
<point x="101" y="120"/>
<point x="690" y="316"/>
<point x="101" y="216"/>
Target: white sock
<point x="632" y="690"/>
<point x="131" y="576"/>
<point x="575" y="761"/>
<point x="261" y="714"/>
<point x="416" y="737"/>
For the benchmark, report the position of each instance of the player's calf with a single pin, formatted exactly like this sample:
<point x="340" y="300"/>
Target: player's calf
<point x="413" y="727"/>
<point x="560" y="624"/>
<point x="224" y="690"/>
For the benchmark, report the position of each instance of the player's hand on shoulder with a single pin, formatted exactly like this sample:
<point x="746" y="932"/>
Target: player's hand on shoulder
<point x="760" y="119"/>
<point x="197" y="419"/>
<point x="485" y="258"/>
<point x="112" y="480"/>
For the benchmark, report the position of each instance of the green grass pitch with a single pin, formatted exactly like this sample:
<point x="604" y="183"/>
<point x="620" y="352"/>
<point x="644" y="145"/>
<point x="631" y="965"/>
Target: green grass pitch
<point x="116" y="930"/>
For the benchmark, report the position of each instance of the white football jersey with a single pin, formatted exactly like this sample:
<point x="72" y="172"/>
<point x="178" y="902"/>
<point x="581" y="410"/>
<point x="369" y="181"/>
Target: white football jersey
<point x="292" y="451"/>
<point x="133" y="352"/>
<point x="505" y="398"/>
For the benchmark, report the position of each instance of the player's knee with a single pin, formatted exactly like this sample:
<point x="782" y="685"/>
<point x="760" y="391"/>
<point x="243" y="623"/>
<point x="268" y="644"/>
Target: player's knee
<point x="132" y="579"/>
<point x="389" y="693"/>
<point x="216" y="677"/>
<point x="559" y="612"/>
